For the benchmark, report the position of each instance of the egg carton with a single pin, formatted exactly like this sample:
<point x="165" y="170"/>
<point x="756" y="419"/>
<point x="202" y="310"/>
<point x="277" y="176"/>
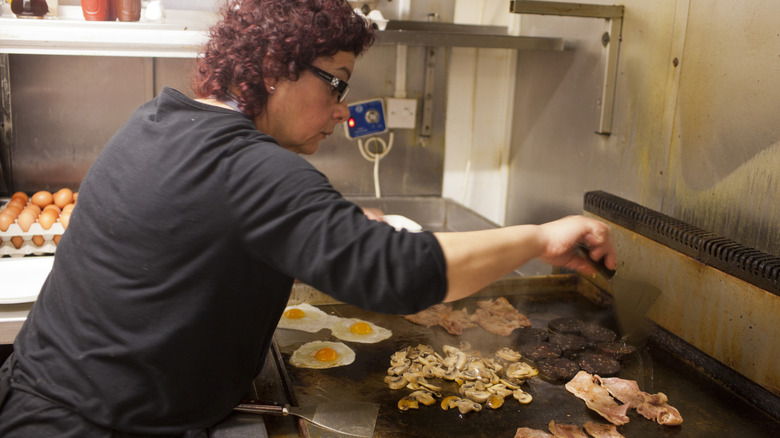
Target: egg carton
<point x="29" y="247"/>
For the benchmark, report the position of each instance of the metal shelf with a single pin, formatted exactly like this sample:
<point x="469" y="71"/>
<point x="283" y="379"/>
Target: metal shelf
<point x="184" y="32"/>
<point x="413" y="33"/>
<point x="180" y="36"/>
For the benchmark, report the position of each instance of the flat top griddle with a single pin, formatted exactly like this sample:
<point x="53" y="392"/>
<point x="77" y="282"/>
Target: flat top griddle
<point x="708" y="409"/>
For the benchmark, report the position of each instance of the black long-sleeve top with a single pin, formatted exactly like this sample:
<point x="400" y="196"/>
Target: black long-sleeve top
<point x="179" y="259"/>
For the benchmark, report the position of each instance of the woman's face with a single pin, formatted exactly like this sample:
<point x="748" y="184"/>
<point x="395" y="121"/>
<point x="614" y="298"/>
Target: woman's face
<point x="299" y="114"/>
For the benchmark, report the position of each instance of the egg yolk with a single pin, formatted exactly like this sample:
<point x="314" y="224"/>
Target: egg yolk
<point x="326" y="355"/>
<point x="295" y="314"/>
<point x="361" y="328"/>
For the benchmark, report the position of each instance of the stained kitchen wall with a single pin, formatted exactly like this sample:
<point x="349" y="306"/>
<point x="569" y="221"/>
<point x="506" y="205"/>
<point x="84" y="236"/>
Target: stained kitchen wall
<point x="698" y="141"/>
<point x="697" y="117"/>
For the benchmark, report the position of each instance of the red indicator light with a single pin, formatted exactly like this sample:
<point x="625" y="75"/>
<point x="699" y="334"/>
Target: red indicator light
<point x="351" y="122"/>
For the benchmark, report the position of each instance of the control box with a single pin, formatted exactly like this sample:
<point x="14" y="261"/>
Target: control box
<point x="366" y="118"/>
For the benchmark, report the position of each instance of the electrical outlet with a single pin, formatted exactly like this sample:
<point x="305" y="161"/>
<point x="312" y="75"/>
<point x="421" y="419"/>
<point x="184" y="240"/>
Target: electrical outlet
<point x="401" y="113"/>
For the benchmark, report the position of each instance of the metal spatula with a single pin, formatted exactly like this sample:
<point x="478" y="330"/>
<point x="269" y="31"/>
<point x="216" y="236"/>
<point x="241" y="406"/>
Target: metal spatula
<point x="632" y="298"/>
<point x="356" y="419"/>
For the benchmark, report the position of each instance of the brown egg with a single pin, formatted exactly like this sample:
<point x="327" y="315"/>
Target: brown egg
<point x="51" y="207"/>
<point x="34" y="208"/>
<point x="57" y="239"/>
<point x="68" y="208"/>
<point x="5" y="221"/>
<point x="21" y="195"/>
<point x="38" y="240"/>
<point x="65" y="219"/>
<point x="63" y="197"/>
<point x="75" y="196"/>
<point x="16" y="202"/>
<point x="17" y="241"/>
<point x="12" y="211"/>
<point x="42" y="198"/>
<point x="48" y="218"/>
<point x="26" y="218"/>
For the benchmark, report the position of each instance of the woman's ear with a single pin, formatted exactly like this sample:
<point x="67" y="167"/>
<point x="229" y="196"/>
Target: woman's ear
<point x="270" y="86"/>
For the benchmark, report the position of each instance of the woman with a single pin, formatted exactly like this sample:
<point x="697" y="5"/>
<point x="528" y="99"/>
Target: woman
<point x="196" y="217"/>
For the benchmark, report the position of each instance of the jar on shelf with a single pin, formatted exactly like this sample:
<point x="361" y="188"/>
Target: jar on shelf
<point x="29" y="8"/>
<point x="98" y="10"/>
<point x="128" y="10"/>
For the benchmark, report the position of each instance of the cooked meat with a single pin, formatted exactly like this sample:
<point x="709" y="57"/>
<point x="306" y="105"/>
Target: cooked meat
<point x="596" y="334"/>
<point x="599" y="364"/>
<point x="537" y="351"/>
<point x="454" y="321"/>
<point x="588" y="388"/>
<point x="569" y="326"/>
<point x="566" y="430"/>
<point x="430" y="316"/>
<point x="525" y="335"/>
<point x="601" y="430"/>
<point x="557" y="369"/>
<point x="653" y="407"/>
<point x="457" y="320"/>
<point x="617" y="350"/>
<point x="527" y="432"/>
<point x="499" y="316"/>
<point x="570" y="345"/>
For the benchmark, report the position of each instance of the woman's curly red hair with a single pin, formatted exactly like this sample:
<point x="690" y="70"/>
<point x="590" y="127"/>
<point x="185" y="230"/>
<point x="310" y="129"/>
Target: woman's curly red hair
<point x="269" y="39"/>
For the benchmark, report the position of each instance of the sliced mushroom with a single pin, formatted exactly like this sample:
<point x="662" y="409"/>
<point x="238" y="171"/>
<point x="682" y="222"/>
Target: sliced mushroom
<point x="494" y="401"/>
<point x="425" y="397"/>
<point x="399" y="369"/>
<point x="407" y="403"/>
<point x="508" y="384"/>
<point x="522" y="396"/>
<point x="399" y="357"/>
<point x="500" y="390"/>
<point x="436" y="369"/>
<point x="449" y="350"/>
<point x="452" y="373"/>
<point x="520" y="370"/>
<point x="508" y="354"/>
<point x="428" y="385"/>
<point x="395" y="382"/>
<point x="450" y="402"/>
<point x="472" y="386"/>
<point x="465" y="406"/>
<point x="477" y="396"/>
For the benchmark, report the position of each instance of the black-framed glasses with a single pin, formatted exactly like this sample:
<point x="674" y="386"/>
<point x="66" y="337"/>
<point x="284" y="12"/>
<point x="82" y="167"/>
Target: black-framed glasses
<point x="337" y="84"/>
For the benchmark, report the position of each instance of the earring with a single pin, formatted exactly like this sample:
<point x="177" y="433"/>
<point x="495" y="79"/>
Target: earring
<point x="273" y="88"/>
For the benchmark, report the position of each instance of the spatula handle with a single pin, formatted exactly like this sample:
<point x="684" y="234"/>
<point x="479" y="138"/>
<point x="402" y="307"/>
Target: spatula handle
<point x="252" y="407"/>
<point x="584" y="252"/>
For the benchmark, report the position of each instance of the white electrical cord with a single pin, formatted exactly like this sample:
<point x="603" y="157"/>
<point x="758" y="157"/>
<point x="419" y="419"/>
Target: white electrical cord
<point x="375" y="156"/>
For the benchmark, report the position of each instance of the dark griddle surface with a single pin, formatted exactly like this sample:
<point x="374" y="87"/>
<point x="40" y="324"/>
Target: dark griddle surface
<point x="708" y="409"/>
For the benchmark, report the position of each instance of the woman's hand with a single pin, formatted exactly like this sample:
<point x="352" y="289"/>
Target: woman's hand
<point x="563" y="235"/>
<point x="374" y="214"/>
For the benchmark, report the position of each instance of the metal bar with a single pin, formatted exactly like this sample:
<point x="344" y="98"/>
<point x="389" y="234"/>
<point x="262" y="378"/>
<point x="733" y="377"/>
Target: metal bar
<point x="565" y="9"/>
<point x="448" y="39"/>
<point x="610" y="76"/>
<point x="611" y="43"/>
<point x="6" y="125"/>
<point x="427" y="103"/>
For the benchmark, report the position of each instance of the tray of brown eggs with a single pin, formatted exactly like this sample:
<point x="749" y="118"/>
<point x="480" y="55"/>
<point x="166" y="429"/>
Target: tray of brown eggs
<point x="32" y="225"/>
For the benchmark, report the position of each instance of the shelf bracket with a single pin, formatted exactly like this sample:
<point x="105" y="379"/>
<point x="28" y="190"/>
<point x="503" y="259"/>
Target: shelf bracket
<point x="610" y="40"/>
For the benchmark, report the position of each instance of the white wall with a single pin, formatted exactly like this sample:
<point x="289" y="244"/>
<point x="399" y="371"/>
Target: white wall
<point x="480" y="102"/>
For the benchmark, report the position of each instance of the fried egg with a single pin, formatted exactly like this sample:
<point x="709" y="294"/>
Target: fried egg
<point x="306" y="317"/>
<point x="322" y="354"/>
<point x="357" y="330"/>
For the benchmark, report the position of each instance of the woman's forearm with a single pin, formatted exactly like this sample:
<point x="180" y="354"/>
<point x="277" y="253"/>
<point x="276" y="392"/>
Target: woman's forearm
<point x="477" y="258"/>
